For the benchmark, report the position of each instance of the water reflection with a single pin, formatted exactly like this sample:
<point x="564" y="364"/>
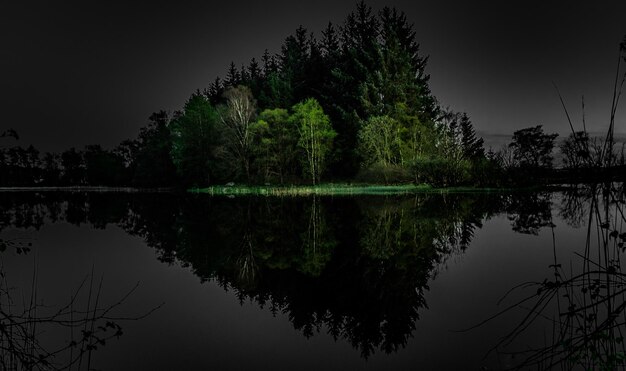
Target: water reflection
<point x="583" y="300"/>
<point x="357" y="268"/>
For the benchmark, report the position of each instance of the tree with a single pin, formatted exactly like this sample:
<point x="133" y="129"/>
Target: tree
<point x="10" y="133"/>
<point x="532" y="148"/>
<point x="276" y="144"/>
<point x="316" y="136"/>
<point x="269" y="63"/>
<point x="330" y="46"/>
<point x="196" y="141"/>
<point x="473" y="148"/>
<point x="237" y="117"/>
<point x="576" y="150"/>
<point x="232" y="77"/>
<point x="215" y="91"/>
<point x="73" y="167"/>
<point x="380" y="141"/>
<point x="294" y="59"/>
<point x="103" y="167"/>
<point x="254" y="70"/>
<point x="153" y="164"/>
<point x="51" y="168"/>
<point x="343" y="94"/>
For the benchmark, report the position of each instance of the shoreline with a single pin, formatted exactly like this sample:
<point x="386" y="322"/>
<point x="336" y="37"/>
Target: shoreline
<point x="350" y="190"/>
<point x="87" y="189"/>
<point x="326" y="189"/>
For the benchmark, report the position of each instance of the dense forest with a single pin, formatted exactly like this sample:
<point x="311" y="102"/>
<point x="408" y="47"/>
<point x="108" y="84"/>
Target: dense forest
<point x="351" y="104"/>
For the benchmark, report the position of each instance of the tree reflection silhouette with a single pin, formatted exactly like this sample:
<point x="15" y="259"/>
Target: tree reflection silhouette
<point x="584" y="303"/>
<point x="357" y="268"/>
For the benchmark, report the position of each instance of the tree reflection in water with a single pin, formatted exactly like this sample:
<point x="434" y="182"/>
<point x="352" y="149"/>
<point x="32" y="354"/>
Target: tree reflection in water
<point x="584" y="300"/>
<point x="357" y="268"/>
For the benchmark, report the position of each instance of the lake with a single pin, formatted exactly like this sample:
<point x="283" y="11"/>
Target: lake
<point x="159" y="281"/>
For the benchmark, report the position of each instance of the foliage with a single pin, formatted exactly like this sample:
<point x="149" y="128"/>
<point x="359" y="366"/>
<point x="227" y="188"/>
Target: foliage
<point x="315" y="136"/>
<point x="532" y="148"/>
<point x="276" y="149"/>
<point x="103" y="167"/>
<point x="196" y="142"/>
<point x="356" y="100"/>
<point x="153" y="164"/>
<point x="440" y="171"/>
<point x="575" y="150"/>
<point x="237" y="118"/>
<point x="380" y="141"/>
<point x="73" y="167"/>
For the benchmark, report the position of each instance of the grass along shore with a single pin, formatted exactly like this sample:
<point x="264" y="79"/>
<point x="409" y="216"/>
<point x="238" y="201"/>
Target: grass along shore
<point x="331" y="189"/>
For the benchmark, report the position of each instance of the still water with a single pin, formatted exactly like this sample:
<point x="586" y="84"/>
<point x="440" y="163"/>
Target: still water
<point x="139" y="281"/>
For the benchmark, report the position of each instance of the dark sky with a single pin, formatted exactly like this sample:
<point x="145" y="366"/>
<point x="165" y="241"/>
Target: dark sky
<point x="93" y="72"/>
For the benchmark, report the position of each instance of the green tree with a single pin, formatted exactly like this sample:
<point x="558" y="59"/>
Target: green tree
<point x="380" y="141"/>
<point x="398" y="74"/>
<point x="315" y="136"/>
<point x="343" y="94"/>
<point x="276" y="144"/>
<point x="196" y="142"/>
<point x="237" y="117"/>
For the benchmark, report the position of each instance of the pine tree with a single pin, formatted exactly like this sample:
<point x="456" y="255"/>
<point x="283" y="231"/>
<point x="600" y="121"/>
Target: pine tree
<point x="269" y="63"/>
<point x="472" y="147"/>
<point x="215" y="91"/>
<point x="232" y="77"/>
<point x="294" y="59"/>
<point x="329" y="45"/>
<point x="244" y="78"/>
<point x="254" y="71"/>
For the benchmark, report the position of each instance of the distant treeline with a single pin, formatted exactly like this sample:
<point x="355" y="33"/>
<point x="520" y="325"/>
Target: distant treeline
<point x="351" y="104"/>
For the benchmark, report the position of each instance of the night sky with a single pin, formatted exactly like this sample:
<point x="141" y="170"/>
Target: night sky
<point x="92" y="72"/>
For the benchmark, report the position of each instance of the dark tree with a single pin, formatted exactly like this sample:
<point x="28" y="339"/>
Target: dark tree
<point x="51" y="171"/>
<point x="215" y="91"/>
<point x="532" y="148"/>
<point x="10" y="133"/>
<point x="576" y="150"/>
<point x="472" y="146"/>
<point x="73" y="167"/>
<point x="329" y="44"/>
<point x="269" y="63"/>
<point x="196" y="142"/>
<point x="153" y="165"/>
<point x="254" y="71"/>
<point x="232" y="77"/>
<point x="102" y="167"/>
<point x="244" y="78"/>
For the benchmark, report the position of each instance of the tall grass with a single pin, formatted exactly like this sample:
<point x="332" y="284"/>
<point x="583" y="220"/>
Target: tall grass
<point x="583" y="300"/>
<point x="605" y="157"/>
